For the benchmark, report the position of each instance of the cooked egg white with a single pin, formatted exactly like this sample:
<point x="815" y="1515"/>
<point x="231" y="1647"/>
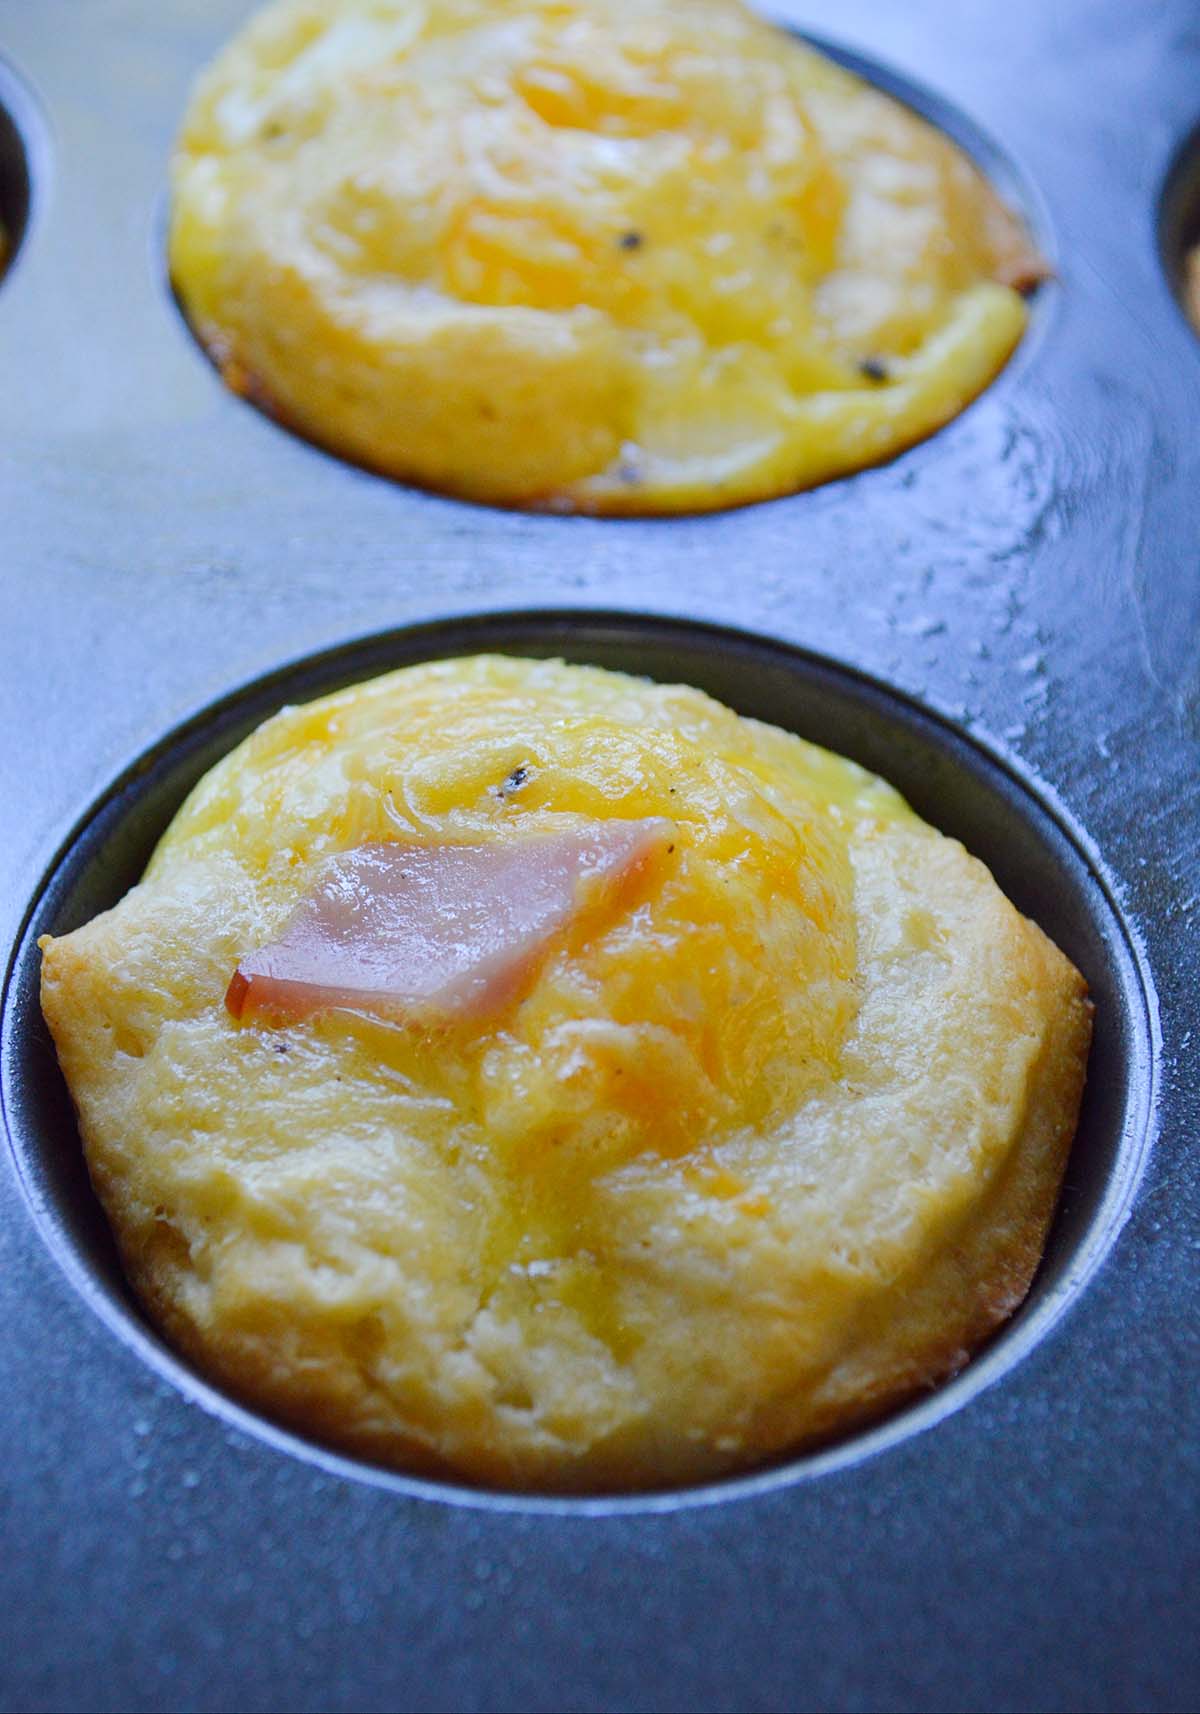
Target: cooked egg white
<point x="608" y="255"/>
<point x="764" y="1150"/>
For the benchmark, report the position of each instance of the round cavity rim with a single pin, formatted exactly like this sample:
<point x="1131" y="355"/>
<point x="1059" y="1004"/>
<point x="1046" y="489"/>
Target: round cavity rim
<point x="1177" y="218"/>
<point x="573" y="631"/>
<point x="23" y="131"/>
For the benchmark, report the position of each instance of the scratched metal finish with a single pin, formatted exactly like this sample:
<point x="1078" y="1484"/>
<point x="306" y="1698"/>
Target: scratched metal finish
<point x="1033" y="573"/>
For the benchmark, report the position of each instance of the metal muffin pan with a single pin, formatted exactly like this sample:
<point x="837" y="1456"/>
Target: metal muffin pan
<point x="1006" y="620"/>
<point x="1042" y="864"/>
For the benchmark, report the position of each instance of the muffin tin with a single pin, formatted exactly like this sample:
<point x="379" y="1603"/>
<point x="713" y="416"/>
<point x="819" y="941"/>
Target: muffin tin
<point x="1005" y="621"/>
<point x="1039" y="860"/>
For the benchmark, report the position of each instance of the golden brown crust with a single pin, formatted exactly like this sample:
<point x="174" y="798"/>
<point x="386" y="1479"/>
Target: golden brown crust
<point x="968" y="1291"/>
<point x="983" y="1276"/>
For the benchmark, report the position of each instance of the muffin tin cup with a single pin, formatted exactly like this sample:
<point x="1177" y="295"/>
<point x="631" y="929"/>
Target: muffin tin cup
<point x="956" y="783"/>
<point x="24" y="163"/>
<point x="997" y="164"/>
<point x="1179" y="216"/>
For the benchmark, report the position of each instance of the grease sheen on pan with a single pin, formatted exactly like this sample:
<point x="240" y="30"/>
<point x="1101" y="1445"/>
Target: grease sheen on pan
<point x="770" y="1148"/>
<point x="621" y="255"/>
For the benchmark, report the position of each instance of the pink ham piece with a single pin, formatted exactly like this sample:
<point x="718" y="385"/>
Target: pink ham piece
<point x="430" y="932"/>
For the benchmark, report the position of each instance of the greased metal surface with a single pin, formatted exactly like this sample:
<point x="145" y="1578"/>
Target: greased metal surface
<point x="1030" y="573"/>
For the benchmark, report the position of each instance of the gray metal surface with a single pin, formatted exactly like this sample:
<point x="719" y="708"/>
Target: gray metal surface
<point x="1032" y="574"/>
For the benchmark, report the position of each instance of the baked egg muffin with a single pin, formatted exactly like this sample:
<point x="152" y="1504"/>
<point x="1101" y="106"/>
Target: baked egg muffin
<point x="534" y="1075"/>
<point x="594" y="255"/>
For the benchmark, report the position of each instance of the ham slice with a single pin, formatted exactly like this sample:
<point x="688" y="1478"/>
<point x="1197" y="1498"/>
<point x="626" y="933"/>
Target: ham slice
<point x="430" y="932"/>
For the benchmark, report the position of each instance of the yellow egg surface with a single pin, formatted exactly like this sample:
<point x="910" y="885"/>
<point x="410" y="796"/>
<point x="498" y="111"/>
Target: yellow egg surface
<point x="603" y="255"/>
<point x="766" y="1151"/>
